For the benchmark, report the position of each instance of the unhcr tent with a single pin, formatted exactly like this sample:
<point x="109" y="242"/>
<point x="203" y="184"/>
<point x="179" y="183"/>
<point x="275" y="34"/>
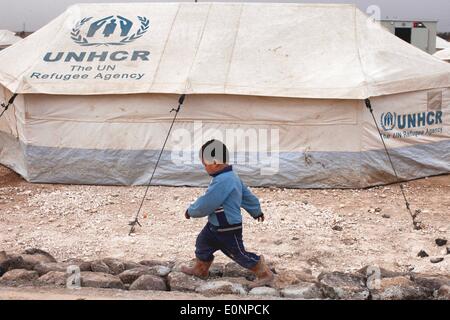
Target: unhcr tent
<point x="441" y="44"/>
<point x="443" y="55"/>
<point x="8" y="38"/>
<point x="282" y="84"/>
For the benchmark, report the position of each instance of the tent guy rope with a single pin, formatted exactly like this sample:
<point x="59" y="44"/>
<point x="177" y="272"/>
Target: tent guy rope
<point x="6" y="106"/>
<point x="136" y="219"/>
<point x="416" y="224"/>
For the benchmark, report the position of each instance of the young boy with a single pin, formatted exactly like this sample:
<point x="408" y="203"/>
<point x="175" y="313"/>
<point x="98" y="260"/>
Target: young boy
<point x="221" y="203"/>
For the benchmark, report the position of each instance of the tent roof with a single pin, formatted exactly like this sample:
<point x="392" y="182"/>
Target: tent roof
<point x="8" y="38"/>
<point x="442" y="43"/>
<point x="443" y="54"/>
<point x="270" y="49"/>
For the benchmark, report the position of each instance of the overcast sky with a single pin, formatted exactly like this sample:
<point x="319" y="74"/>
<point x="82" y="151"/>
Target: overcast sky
<point x="14" y="14"/>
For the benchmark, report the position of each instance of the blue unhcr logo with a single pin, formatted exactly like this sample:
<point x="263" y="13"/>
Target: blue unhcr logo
<point x="388" y="121"/>
<point x="111" y="30"/>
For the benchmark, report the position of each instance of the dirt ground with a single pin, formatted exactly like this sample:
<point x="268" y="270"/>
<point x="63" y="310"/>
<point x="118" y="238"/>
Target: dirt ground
<point x="89" y="222"/>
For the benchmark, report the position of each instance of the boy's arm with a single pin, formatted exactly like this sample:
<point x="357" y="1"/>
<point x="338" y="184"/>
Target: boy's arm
<point x="213" y="198"/>
<point x="250" y="202"/>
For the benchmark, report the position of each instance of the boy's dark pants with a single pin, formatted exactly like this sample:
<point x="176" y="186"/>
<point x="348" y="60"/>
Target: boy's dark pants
<point x="229" y="242"/>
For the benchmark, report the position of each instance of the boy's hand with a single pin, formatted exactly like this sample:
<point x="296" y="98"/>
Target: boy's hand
<point x="186" y="215"/>
<point x="260" y="218"/>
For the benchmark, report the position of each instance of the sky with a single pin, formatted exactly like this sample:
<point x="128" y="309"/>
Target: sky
<point x="17" y="15"/>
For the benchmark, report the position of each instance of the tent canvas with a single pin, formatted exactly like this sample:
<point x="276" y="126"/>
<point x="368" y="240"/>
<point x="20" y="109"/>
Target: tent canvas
<point x="94" y="101"/>
<point x="8" y="38"/>
<point x="442" y="44"/>
<point x="443" y="55"/>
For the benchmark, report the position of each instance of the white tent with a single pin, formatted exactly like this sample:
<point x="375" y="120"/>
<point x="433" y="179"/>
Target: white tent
<point x="97" y="83"/>
<point x="443" y="55"/>
<point x="442" y="44"/>
<point x="8" y="38"/>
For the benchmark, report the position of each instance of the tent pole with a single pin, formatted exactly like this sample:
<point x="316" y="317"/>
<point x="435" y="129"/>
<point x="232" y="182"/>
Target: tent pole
<point x="417" y="225"/>
<point x="10" y="102"/>
<point x="136" y="219"/>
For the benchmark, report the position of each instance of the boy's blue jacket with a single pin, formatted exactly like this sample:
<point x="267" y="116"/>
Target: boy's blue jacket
<point x="223" y="200"/>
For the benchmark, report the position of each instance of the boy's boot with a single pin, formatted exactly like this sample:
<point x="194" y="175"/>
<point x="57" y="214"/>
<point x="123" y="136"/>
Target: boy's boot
<point x="200" y="269"/>
<point x="264" y="275"/>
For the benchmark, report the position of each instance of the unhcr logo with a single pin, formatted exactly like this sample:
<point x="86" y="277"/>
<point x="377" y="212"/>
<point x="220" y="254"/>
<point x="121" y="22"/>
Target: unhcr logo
<point x="109" y="31"/>
<point x="389" y="120"/>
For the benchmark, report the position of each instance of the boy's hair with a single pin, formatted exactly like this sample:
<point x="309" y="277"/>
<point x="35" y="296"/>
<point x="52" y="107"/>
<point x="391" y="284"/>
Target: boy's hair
<point x="214" y="151"/>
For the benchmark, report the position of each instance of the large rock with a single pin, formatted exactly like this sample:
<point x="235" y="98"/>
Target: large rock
<point x="399" y="288"/>
<point x="129" y="276"/>
<point x="53" y="279"/>
<point x="179" y="281"/>
<point x="232" y="269"/>
<point x="83" y="265"/>
<point x="149" y="282"/>
<point x="115" y="266"/>
<point x="264" y="291"/>
<point x="303" y="290"/>
<point x="45" y="267"/>
<point x="10" y="262"/>
<point x="383" y="273"/>
<point x="19" y="277"/>
<point x="443" y="293"/>
<point x="99" y="266"/>
<point x="340" y="285"/>
<point x="286" y="278"/>
<point x="216" y="270"/>
<point x="35" y="251"/>
<point x="100" y="280"/>
<point x="219" y="287"/>
<point x="131" y="265"/>
<point x="431" y="282"/>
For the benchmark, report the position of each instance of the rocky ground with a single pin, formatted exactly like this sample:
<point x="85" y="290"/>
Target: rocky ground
<point x="307" y="232"/>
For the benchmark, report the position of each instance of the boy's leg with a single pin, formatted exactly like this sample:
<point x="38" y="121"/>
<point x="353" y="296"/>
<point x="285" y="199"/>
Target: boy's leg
<point x="233" y="247"/>
<point x="205" y="247"/>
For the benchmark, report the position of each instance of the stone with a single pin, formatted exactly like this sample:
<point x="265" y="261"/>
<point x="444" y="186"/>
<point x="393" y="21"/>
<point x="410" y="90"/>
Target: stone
<point x="385" y="215"/>
<point x="45" y="267"/>
<point x="83" y="265"/>
<point x="303" y="290"/>
<point x="278" y="242"/>
<point x="35" y="251"/>
<point x="286" y="278"/>
<point x="441" y="242"/>
<point x="219" y="287"/>
<point x="337" y="228"/>
<point x="399" y="288"/>
<point x="340" y="285"/>
<point x="115" y="266"/>
<point x="131" y="265"/>
<point x="54" y="279"/>
<point x="443" y="293"/>
<point x="436" y="260"/>
<point x="99" y="266"/>
<point x="179" y="281"/>
<point x="383" y="273"/>
<point x="432" y="282"/>
<point x="18" y="277"/>
<point x="129" y="276"/>
<point x="422" y="254"/>
<point x="232" y="269"/>
<point x="30" y="260"/>
<point x="264" y="291"/>
<point x="10" y="262"/>
<point x="448" y="250"/>
<point x="149" y="282"/>
<point x="100" y="280"/>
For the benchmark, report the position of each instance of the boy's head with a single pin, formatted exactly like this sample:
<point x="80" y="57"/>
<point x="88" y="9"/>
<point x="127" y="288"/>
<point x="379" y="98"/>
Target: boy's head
<point x="214" y="156"/>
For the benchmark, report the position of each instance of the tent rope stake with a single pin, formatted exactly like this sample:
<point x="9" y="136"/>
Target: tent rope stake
<point x="416" y="224"/>
<point x="136" y="219"/>
<point x="10" y="102"/>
